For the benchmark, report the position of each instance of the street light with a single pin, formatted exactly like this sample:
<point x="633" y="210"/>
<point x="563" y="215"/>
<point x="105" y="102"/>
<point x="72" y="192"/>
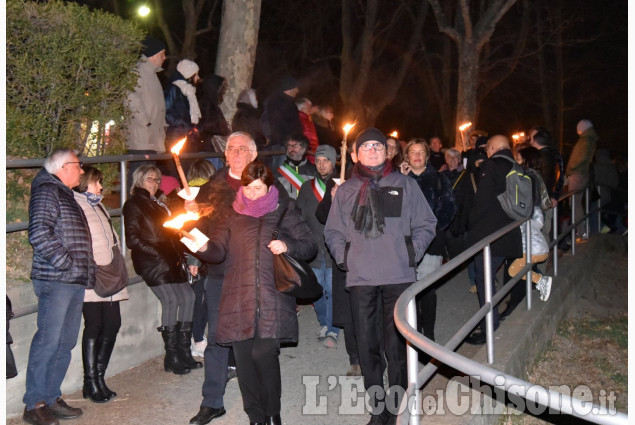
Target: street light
<point x="143" y="11"/>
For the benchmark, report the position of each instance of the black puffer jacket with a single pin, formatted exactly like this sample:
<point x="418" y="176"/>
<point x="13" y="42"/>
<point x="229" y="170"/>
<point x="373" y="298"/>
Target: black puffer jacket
<point x="250" y="302"/>
<point x="156" y="250"/>
<point x="59" y="234"/>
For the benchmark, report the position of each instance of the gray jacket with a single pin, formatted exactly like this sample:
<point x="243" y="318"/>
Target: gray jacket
<point x="390" y="259"/>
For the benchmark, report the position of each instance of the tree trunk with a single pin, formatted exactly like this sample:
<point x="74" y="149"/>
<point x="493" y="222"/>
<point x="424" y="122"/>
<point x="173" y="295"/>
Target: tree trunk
<point x="237" y="49"/>
<point x="466" y="110"/>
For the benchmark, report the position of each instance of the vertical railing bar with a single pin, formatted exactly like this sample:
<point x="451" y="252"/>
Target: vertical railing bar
<point x="528" y="279"/>
<point x="413" y="362"/>
<point x="573" y="221"/>
<point x="587" y="219"/>
<point x="555" y="234"/>
<point x="122" y="200"/>
<point x="489" y="317"/>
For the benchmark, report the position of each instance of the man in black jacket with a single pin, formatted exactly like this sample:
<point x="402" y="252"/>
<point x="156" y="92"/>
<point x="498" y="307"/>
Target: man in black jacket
<point x="486" y="217"/>
<point x="63" y="265"/>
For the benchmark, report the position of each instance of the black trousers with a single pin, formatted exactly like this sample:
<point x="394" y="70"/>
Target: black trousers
<point x="101" y="319"/>
<point x="258" y="369"/>
<point x="373" y="308"/>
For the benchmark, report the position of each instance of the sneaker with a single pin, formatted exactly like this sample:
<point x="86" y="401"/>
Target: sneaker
<point x="198" y="348"/>
<point x="331" y="340"/>
<point x="322" y="333"/>
<point x="473" y="289"/>
<point x="231" y="373"/>
<point x="544" y="286"/>
<point x="582" y="238"/>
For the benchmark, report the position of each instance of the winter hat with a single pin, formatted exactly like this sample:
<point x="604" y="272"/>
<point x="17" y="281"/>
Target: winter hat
<point x="288" y="83"/>
<point x="481" y="141"/>
<point x="168" y="184"/>
<point x="152" y="46"/>
<point x="369" y="134"/>
<point x="187" y="68"/>
<point x="326" y="151"/>
<point x="584" y="125"/>
<point x="248" y="97"/>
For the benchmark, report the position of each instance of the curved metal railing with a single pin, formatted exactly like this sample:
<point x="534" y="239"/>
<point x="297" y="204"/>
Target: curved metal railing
<point x="406" y="319"/>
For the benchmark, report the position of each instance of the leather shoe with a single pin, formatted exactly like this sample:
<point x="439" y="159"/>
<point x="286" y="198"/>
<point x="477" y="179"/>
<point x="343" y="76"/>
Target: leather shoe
<point x="477" y="338"/>
<point x="40" y="415"/>
<point x="206" y="414"/>
<point x="63" y="411"/>
<point x="256" y="423"/>
<point x="273" y="420"/>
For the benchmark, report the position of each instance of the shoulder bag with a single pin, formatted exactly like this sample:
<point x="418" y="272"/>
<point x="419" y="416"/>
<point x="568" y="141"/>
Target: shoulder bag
<point x="292" y="276"/>
<point x="113" y="277"/>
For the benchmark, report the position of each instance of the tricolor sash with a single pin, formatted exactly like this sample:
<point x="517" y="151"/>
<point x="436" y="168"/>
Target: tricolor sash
<point x="319" y="188"/>
<point x="291" y="175"/>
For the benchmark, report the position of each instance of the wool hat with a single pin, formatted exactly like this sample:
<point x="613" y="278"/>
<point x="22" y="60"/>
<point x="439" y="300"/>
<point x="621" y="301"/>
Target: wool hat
<point x="584" y="125"/>
<point x="187" y="68"/>
<point x="168" y="184"/>
<point x="481" y="141"/>
<point x="288" y="83"/>
<point x="152" y="46"/>
<point x="370" y="134"/>
<point x="326" y="151"/>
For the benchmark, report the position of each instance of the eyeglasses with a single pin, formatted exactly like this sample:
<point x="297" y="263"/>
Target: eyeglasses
<point x="81" y="164"/>
<point x="153" y="180"/>
<point x="237" y="149"/>
<point x="368" y="146"/>
<point x="294" y="145"/>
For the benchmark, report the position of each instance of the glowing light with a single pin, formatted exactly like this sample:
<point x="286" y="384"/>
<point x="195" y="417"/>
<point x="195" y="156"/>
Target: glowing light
<point x="515" y="136"/>
<point x="394" y="134"/>
<point x="177" y="148"/>
<point x="464" y="126"/>
<point x="348" y="127"/>
<point x="143" y="11"/>
<point x="178" y="221"/>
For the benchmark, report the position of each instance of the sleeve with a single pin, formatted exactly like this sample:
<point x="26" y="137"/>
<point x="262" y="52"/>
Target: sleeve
<point x="136" y="104"/>
<point x="217" y="246"/>
<point x="44" y="212"/>
<point x="323" y="208"/>
<point x="549" y="172"/>
<point x="485" y="192"/>
<point x="422" y="220"/>
<point x="295" y="233"/>
<point x="133" y="218"/>
<point x="335" y="229"/>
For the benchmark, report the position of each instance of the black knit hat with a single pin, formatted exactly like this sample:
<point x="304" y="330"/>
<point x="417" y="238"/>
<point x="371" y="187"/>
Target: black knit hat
<point x="152" y="46"/>
<point x="288" y="83"/>
<point x="370" y="134"/>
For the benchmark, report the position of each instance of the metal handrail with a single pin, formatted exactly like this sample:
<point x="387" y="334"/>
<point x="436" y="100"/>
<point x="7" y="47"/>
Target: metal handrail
<point x="406" y="318"/>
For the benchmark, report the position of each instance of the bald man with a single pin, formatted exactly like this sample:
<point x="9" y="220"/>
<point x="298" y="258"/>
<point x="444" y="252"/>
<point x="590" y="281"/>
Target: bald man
<point x="487" y="216"/>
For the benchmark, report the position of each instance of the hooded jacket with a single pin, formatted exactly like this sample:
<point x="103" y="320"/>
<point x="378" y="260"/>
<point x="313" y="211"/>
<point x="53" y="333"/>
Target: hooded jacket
<point x="250" y="305"/>
<point x="156" y="253"/>
<point x="59" y="234"/>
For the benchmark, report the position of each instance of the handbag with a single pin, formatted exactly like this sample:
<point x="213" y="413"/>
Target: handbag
<point x="113" y="277"/>
<point x="292" y="276"/>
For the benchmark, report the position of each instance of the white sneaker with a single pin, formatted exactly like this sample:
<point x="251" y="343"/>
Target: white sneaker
<point x="322" y="333"/>
<point x="544" y="286"/>
<point x="198" y="348"/>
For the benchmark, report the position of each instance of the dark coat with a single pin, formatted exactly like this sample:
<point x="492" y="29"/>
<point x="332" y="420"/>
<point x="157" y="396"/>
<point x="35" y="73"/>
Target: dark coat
<point x="307" y="203"/>
<point x="438" y="192"/>
<point x="59" y="234"/>
<point x="156" y="250"/>
<point x="552" y="170"/>
<point x="247" y="119"/>
<point x="280" y="118"/>
<point x="487" y="215"/>
<point x="177" y="111"/>
<point x="250" y="303"/>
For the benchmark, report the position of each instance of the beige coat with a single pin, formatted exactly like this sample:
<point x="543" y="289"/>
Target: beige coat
<point x="146" y="129"/>
<point x="103" y="240"/>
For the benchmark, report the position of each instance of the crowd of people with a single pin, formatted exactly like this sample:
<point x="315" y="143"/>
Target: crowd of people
<point x="403" y="209"/>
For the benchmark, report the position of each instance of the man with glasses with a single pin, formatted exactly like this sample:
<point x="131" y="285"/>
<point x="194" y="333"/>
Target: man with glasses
<point x="214" y="203"/>
<point x="296" y="169"/>
<point x="63" y="266"/>
<point x="378" y="229"/>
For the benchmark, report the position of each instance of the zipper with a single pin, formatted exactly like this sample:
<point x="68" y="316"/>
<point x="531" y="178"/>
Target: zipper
<point x="260" y="222"/>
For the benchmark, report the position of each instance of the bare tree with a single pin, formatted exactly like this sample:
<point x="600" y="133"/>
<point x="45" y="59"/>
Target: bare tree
<point x="366" y="88"/>
<point x="470" y="36"/>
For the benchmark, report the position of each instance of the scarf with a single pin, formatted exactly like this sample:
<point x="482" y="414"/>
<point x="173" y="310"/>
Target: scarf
<point x="256" y="207"/>
<point x="190" y="92"/>
<point x="368" y="211"/>
<point x="92" y="198"/>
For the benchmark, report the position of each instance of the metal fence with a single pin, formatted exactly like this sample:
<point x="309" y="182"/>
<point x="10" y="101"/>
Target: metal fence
<point x="406" y="319"/>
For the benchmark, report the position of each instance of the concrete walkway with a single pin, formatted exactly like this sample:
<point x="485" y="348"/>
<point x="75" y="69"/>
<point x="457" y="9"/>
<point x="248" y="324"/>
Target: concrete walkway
<point x="314" y="390"/>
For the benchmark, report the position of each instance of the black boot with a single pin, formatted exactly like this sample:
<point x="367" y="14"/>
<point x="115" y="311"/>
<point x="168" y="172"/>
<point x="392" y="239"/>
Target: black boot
<point x="172" y="363"/>
<point x="184" y="330"/>
<point x="273" y="420"/>
<point x="89" y="358"/>
<point x="106" y="346"/>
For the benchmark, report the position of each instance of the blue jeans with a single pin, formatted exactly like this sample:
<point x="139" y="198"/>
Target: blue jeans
<point x="324" y="305"/>
<point x="58" y="321"/>
<point x="216" y="356"/>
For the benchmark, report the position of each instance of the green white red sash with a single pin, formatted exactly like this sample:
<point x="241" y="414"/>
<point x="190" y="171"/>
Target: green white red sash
<point x="319" y="188"/>
<point x="291" y="175"/>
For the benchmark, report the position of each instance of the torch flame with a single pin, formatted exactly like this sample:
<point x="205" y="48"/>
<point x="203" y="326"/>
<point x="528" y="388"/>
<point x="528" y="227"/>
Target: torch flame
<point x="515" y="136"/>
<point x="177" y="148"/>
<point x="465" y="126"/>
<point x="348" y="127"/>
<point x="178" y="221"/>
<point x="394" y="134"/>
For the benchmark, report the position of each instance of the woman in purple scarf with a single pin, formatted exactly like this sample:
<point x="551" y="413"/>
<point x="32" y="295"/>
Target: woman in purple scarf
<point x="253" y="316"/>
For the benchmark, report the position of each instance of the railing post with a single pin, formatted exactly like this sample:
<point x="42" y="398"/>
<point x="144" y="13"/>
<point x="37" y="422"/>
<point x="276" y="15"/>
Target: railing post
<point x="413" y="363"/>
<point x="573" y="222"/>
<point x="555" y="236"/>
<point x="587" y="221"/>
<point x="122" y="200"/>
<point x="489" y="317"/>
<point x="528" y="260"/>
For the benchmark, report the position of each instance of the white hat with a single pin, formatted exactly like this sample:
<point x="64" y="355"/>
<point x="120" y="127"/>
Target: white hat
<point x="187" y="68"/>
<point x="584" y="125"/>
